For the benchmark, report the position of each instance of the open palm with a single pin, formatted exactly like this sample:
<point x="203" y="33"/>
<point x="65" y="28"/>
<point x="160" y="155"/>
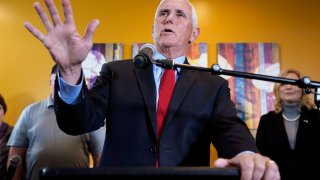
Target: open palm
<point x="64" y="43"/>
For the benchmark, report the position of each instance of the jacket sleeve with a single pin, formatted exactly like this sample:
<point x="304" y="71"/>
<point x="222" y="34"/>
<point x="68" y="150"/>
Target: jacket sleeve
<point x="231" y="135"/>
<point x="90" y="111"/>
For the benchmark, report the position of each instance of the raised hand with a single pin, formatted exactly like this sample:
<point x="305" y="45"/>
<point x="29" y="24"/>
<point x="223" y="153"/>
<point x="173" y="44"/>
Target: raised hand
<point x="64" y="43"/>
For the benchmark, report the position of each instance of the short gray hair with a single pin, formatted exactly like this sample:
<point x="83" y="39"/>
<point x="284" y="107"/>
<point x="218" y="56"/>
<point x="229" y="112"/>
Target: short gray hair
<point x="193" y="13"/>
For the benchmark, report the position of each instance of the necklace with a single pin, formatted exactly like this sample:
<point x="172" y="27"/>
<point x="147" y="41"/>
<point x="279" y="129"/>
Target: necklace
<point x="290" y="119"/>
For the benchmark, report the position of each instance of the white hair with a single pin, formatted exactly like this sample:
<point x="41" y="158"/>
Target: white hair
<point x="193" y="13"/>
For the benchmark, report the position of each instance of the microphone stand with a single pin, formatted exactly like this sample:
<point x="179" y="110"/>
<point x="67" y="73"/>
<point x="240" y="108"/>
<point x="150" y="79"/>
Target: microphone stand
<point x="304" y="82"/>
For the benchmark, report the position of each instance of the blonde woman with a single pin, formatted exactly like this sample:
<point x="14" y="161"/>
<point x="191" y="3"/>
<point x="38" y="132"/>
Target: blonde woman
<point x="290" y="134"/>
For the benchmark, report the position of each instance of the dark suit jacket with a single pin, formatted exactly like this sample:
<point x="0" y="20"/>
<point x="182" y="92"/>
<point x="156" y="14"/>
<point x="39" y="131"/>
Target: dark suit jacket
<point x="272" y="141"/>
<point x="200" y="112"/>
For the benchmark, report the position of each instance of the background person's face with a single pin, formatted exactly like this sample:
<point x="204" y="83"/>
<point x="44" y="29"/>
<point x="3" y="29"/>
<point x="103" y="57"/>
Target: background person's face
<point x="1" y="113"/>
<point x="290" y="93"/>
<point x="173" y="24"/>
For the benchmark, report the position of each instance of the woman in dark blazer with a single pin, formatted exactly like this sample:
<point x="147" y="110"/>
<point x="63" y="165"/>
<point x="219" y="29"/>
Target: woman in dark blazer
<point x="290" y="134"/>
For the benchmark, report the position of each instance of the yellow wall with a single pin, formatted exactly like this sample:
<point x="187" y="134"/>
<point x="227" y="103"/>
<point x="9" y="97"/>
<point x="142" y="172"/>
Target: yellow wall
<point x="25" y="64"/>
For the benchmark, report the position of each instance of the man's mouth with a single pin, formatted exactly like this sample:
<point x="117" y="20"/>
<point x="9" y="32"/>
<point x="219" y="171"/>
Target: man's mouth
<point x="167" y="31"/>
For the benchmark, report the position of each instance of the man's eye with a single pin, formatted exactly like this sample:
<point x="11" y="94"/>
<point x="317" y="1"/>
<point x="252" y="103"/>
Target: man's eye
<point x="181" y="14"/>
<point x="163" y="13"/>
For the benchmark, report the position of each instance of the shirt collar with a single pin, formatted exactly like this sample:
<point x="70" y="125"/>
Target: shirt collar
<point x="178" y="60"/>
<point x="49" y="101"/>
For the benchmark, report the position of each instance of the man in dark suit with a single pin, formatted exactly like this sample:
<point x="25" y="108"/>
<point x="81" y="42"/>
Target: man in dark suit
<point x="200" y="110"/>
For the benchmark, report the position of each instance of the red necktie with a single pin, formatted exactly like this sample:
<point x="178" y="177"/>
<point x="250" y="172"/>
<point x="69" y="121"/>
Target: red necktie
<point x="165" y="93"/>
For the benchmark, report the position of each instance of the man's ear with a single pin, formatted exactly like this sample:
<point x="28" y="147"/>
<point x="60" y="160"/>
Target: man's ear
<point x="194" y="35"/>
<point x="153" y="36"/>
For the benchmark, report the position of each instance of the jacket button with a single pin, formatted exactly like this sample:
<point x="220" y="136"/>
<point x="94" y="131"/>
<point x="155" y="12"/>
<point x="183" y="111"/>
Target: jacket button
<point x="153" y="149"/>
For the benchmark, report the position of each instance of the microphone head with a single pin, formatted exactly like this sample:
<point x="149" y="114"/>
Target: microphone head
<point x="15" y="160"/>
<point x="149" y="49"/>
<point x="140" y="61"/>
<point x="145" y="56"/>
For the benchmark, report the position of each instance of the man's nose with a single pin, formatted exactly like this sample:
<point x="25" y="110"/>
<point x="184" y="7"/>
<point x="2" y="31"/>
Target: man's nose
<point x="170" y="19"/>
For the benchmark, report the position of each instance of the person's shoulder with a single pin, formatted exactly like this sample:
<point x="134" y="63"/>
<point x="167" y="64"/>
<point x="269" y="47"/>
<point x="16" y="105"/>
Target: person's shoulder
<point x="313" y="110"/>
<point x="267" y="119"/>
<point x="119" y="62"/>
<point x="36" y="105"/>
<point x="10" y="128"/>
<point x="211" y="76"/>
<point x="269" y="115"/>
<point x="117" y="65"/>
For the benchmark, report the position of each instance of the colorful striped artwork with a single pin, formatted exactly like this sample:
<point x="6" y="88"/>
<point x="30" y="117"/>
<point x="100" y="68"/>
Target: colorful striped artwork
<point x="252" y="98"/>
<point x="198" y="54"/>
<point x="100" y="54"/>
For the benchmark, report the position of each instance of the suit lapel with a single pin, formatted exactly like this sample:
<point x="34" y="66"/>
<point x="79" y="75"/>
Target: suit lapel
<point x="148" y="91"/>
<point x="184" y="83"/>
<point x="147" y="87"/>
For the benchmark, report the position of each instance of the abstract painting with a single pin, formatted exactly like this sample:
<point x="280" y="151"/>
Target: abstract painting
<point x="252" y="97"/>
<point x="100" y="54"/>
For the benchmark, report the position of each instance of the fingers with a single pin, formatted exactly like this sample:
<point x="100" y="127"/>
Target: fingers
<point x="247" y="167"/>
<point x="68" y="14"/>
<point x="53" y="12"/>
<point x="255" y="166"/>
<point x="43" y="16"/>
<point x="90" y="30"/>
<point x="272" y="171"/>
<point x="34" y="31"/>
<point x="260" y="166"/>
<point x="221" y="163"/>
<point x="265" y="168"/>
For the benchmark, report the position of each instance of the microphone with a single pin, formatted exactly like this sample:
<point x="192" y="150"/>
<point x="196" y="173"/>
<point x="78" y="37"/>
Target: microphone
<point x="145" y="56"/>
<point x="13" y="164"/>
<point x="317" y="97"/>
<point x="165" y="63"/>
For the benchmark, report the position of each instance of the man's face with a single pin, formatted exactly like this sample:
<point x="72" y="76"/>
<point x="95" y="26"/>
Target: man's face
<point x="173" y="24"/>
